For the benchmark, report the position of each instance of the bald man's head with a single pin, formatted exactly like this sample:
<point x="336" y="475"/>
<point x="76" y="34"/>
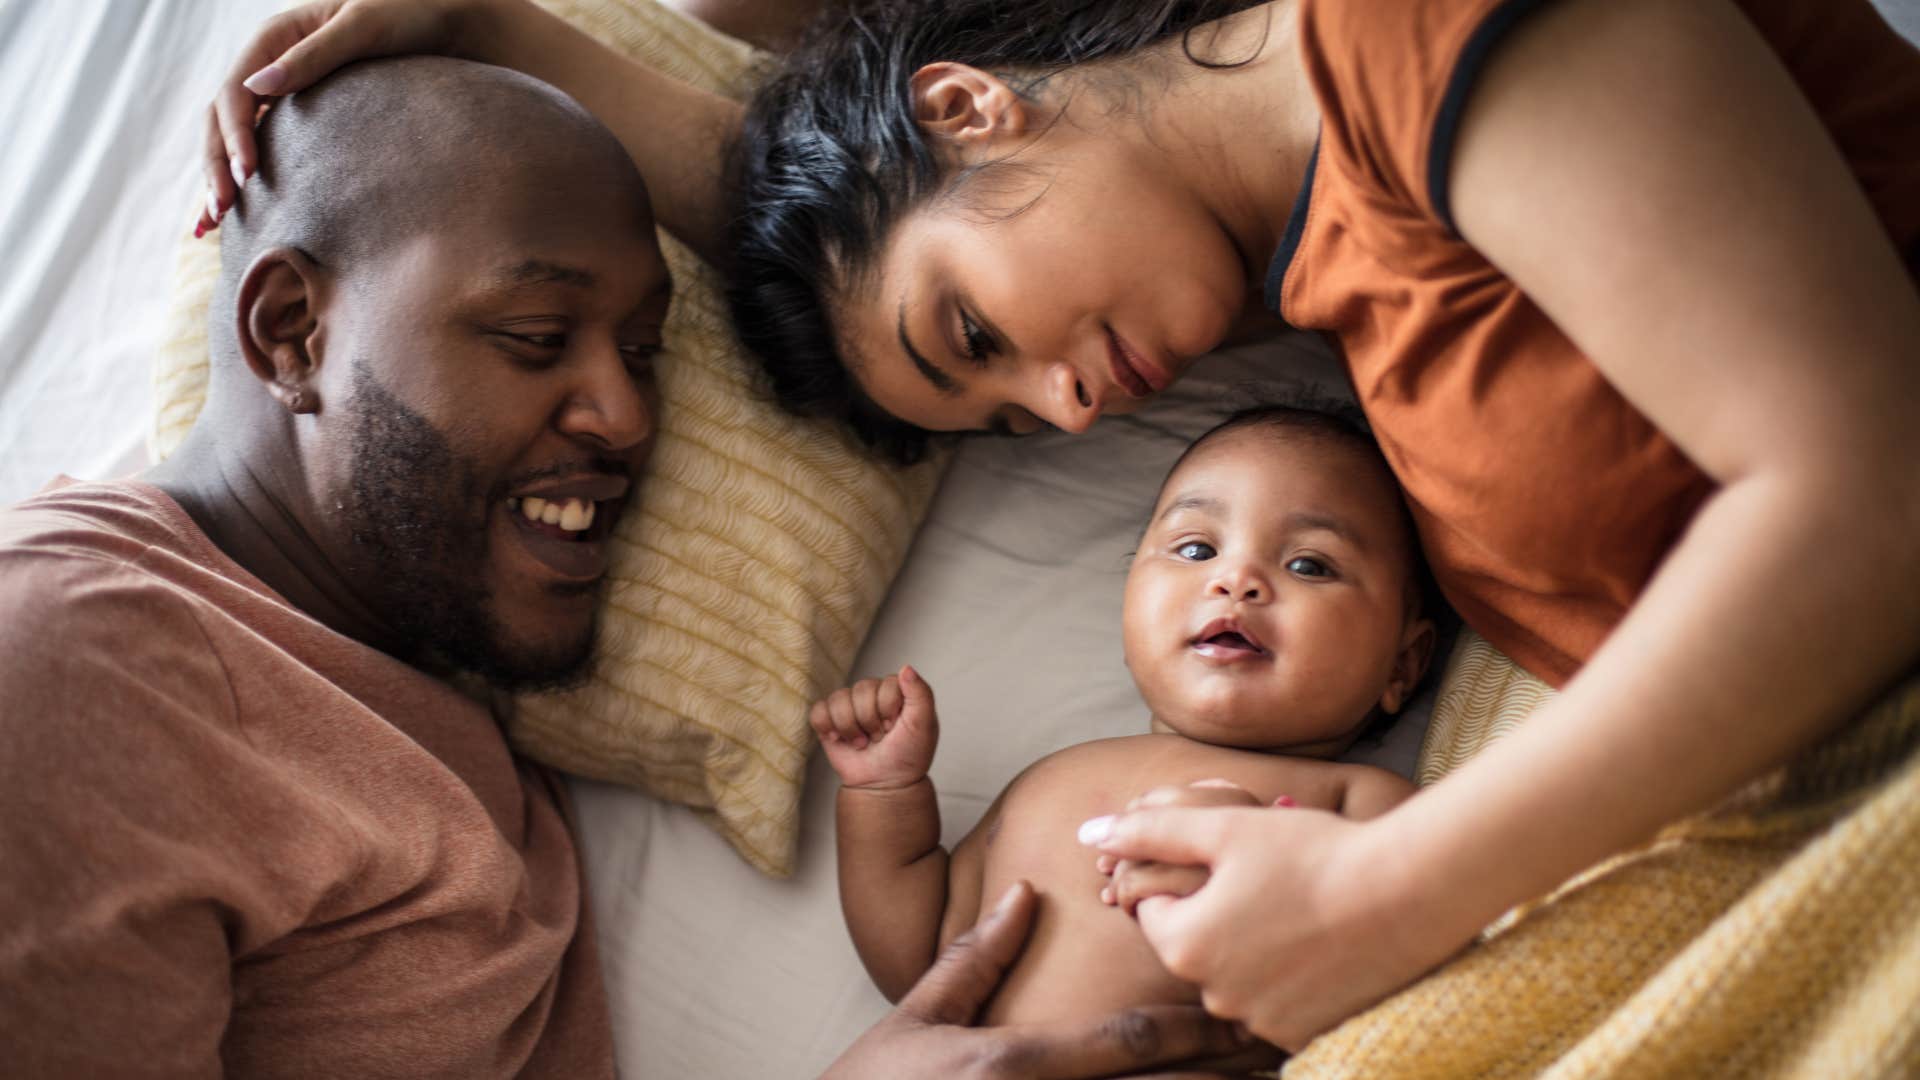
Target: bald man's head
<point x="381" y="151"/>
<point x="441" y="300"/>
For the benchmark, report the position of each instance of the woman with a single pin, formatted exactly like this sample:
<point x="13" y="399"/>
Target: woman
<point x="1621" y="293"/>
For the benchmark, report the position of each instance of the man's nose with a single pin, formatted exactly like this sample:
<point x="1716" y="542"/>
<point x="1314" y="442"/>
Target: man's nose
<point x="1066" y="401"/>
<point x="609" y="405"/>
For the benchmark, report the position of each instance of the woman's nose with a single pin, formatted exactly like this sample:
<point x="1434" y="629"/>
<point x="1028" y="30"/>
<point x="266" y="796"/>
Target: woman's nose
<point x="1066" y="401"/>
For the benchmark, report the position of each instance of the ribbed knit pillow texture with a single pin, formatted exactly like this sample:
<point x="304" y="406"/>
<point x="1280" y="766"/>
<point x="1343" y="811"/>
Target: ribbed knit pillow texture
<point x="746" y="574"/>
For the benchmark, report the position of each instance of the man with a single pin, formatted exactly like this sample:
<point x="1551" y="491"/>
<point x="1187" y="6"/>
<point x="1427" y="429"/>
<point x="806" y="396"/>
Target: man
<point x="258" y="815"/>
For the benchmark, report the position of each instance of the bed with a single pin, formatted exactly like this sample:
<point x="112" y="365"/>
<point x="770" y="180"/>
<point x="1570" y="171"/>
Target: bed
<point x="1008" y="600"/>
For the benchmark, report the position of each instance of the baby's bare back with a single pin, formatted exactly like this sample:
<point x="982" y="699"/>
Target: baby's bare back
<point x="1086" y="959"/>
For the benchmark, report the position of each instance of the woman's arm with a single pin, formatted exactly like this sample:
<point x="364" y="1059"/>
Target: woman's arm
<point x="1688" y="223"/>
<point x="677" y="134"/>
<point x="1649" y="174"/>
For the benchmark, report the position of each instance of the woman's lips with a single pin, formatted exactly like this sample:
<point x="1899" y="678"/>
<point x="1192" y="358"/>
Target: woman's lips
<point x="1137" y="377"/>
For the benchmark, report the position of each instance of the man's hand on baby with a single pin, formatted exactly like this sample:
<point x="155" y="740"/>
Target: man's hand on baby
<point x="879" y="733"/>
<point x="1134" y="880"/>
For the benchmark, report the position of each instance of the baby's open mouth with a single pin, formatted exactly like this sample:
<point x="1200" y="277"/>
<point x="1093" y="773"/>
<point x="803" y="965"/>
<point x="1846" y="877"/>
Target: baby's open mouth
<point x="1226" y="639"/>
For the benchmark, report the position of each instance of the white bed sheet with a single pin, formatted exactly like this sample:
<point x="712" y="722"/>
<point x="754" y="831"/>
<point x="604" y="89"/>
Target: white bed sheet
<point x="100" y="120"/>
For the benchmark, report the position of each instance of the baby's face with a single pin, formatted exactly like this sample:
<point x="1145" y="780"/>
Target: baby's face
<point x="1267" y="605"/>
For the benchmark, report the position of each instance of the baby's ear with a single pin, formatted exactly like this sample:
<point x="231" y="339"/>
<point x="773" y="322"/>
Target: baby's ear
<point x="1409" y="664"/>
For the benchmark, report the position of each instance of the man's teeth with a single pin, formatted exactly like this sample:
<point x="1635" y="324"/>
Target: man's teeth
<point x="573" y="515"/>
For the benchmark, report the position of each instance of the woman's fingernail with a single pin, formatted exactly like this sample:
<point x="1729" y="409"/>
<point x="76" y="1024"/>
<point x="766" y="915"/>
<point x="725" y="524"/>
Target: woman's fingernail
<point x="239" y="174"/>
<point x="1096" y="830"/>
<point x="199" y="229"/>
<point x="267" y="80"/>
<point x="1006" y="901"/>
<point x="1285" y="800"/>
<point x="213" y="207"/>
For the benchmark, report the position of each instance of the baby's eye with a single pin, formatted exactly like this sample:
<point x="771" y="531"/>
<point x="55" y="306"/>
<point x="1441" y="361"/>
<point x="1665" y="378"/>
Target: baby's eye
<point x="1195" y="551"/>
<point x="1308" y="566"/>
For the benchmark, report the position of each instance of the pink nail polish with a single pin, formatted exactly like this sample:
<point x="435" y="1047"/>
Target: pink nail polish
<point x="199" y="229"/>
<point x="267" y="80"/>
<point x="1285" y="801"/>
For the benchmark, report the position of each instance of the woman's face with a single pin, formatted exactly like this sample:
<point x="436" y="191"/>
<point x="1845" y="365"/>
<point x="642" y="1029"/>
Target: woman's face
<point x="1075" y="282"/>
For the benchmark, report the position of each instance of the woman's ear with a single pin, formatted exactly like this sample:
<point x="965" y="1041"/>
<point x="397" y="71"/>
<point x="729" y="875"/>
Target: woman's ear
<point x="1416" y="652"/>
<point x="965" y="105"/>
<point x="278" y="314"/>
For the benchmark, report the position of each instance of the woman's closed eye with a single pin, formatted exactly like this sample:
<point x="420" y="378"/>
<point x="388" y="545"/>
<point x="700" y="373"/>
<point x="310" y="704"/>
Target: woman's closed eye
<point x="975" y="342"/>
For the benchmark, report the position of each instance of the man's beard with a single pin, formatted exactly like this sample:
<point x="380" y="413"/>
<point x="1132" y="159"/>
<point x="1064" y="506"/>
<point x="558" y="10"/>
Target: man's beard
<point x="417" y="517"/>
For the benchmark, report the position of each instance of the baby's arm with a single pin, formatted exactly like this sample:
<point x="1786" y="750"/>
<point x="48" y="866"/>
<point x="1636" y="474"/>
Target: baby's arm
<point x="879" y="736"/>
<point x="1369" y="792"/>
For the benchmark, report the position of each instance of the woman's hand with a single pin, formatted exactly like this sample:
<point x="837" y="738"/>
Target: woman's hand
<point x="1133" y="880"/>
<point x="296" y="49"/>
<point x="1299" y="925"/>
<point x="928" y="1033"/>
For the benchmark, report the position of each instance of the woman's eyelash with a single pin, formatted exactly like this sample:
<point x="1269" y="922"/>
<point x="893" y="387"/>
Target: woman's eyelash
<point x="974" y="340"/>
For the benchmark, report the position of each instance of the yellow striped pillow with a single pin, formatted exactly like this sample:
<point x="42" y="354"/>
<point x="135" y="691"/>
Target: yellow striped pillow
<point x="746" y="576"/>
<point x="1483" y="697"/>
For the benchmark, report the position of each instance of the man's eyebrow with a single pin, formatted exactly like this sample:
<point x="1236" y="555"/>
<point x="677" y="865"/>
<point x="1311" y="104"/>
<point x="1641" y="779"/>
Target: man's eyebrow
<point x="538" y="272"/>
<point x="941" y="381"/>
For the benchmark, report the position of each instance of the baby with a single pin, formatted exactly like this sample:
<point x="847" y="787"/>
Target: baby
<point x="1272" y="610"/>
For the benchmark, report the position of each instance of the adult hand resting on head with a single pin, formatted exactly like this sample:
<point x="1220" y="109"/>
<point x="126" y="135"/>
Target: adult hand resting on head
<point x="674" y="132"/>
<point x="926" y="1035"/>
<point x="1301" y="920"/>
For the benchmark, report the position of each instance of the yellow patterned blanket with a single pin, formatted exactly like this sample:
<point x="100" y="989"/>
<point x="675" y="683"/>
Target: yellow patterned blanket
<point x="1776" y="937"/>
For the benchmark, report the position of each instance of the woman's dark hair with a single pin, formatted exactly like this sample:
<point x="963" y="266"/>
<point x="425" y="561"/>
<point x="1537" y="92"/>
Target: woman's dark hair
<point x="831" y="158"/>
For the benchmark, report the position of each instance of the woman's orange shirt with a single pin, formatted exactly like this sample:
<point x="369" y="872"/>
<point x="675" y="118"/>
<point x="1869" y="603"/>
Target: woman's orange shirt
<point x="1544" y="500"/>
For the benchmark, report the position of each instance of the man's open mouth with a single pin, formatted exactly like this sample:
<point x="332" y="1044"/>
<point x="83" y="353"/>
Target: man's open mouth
<point x="563" y="524"/>
<point x="563" y="519"/>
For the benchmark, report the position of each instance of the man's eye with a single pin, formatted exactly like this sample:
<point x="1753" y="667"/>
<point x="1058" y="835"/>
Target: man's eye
<point x="1195" y="551"/>
<point x="544" y="341"/>
<point x="1307" y="566"/>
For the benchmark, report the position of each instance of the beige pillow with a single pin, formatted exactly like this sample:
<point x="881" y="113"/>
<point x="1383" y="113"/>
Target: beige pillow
<point x="1484" y="696"/>
<point x="746" y="576"/>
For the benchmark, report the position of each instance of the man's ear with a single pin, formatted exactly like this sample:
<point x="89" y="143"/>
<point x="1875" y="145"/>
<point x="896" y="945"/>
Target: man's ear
<point x="965" y="105"/>
<point x="278" y="314"/>
<point x="1416" y="652"/>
